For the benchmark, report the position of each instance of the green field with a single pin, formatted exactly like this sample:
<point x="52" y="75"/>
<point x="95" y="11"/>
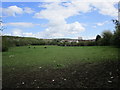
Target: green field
<point x="57" y="66"/>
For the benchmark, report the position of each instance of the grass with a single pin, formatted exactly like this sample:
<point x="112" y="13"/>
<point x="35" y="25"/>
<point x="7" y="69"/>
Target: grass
<point x="19" y="64"/>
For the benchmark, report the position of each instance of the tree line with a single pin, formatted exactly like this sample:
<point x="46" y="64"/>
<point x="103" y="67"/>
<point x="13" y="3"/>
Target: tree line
<point x="107" y="38"/>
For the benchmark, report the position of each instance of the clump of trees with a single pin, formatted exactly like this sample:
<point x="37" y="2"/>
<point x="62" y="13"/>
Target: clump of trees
<point x="105" y="39"/>
<point x="11" y="41"/>
<point x="108" y="38"/>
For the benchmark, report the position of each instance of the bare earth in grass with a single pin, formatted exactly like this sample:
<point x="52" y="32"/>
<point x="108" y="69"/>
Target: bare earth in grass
<point x="83" y="75"/>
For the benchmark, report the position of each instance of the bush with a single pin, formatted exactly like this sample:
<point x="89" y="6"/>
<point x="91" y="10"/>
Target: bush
<point x="81" y="43"/>
<point x="0" y="44"/>
<point x="107" y="35"/>
<point x="4" y="48"/>
<point x="91" y="43"/>
<point x="4" y="44"/>
<point x="116" y="39"/>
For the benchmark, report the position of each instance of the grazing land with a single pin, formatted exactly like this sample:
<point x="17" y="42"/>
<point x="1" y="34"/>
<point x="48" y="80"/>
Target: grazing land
<point x="61" y="67"/>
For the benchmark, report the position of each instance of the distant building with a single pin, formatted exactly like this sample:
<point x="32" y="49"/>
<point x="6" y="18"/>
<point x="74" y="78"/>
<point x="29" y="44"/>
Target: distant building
<point x="79" y="38"/>
<point x="70" y="40"/>
<point x="76" y="40"/>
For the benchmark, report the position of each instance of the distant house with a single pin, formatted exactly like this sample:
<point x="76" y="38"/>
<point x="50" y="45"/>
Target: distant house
<point x="70" y="40"/>
<point x="76" y="40"/>
<point x="79" y="38"/>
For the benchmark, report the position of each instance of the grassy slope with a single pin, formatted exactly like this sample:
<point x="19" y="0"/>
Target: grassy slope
<point x="20" y="62"/>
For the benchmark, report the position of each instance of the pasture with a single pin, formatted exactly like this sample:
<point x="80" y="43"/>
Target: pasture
<point x="60" y="67"/>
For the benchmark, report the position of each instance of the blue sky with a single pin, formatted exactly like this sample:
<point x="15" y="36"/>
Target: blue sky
<point x="71" y="19"/>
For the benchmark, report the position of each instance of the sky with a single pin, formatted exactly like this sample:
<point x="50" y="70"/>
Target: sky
<point x="58" y="19"/>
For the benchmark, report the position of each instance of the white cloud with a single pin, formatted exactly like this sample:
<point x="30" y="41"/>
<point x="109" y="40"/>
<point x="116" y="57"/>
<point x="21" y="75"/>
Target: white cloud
<point x="14" y="10"/>
<point x="75" y="28"/>
<point x="57" y="26"/>
<point x="21" y="24"/>
<point x="16" y="32"/>
<point x="6" y="34"/>
<point x="57" y="13"/>
<point x="60" y="31"/>
<point x="19" y="32"/>
<point x="102" y="23"/>
<point x="28" y="34"/>
<point x="94" y="26"/>
<point x="106" y="8"/>
<point x="28" y="10"/>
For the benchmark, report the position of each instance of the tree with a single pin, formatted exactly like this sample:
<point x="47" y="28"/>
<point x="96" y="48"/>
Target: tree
<point x="98" y="37"/>
<point x="1" y="25"/>
<point x="106" y="37"/>
<point x="116" y="36"/>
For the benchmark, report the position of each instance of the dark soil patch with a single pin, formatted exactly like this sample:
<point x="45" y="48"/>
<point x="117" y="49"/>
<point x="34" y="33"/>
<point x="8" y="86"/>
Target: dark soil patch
<point x="81" y="75"/>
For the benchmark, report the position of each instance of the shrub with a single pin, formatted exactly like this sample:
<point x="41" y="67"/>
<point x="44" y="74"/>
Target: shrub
<point x="5" y="45"/>
<point x="4" y="48"/>
<point x="107" y="35"/>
